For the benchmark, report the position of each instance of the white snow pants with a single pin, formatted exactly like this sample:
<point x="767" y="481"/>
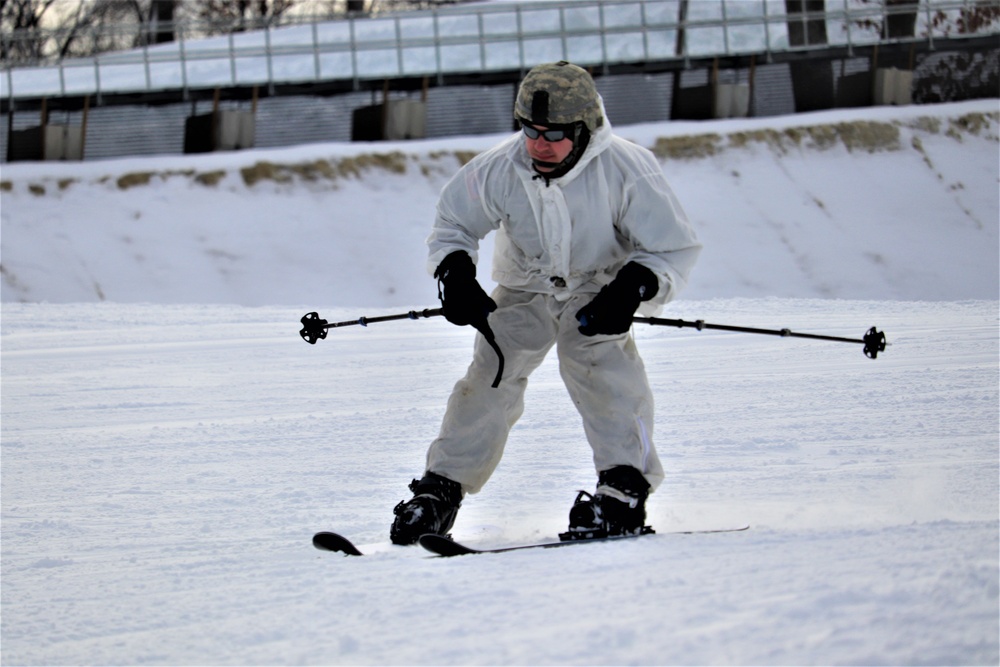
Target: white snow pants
<point x="604" y="375"/>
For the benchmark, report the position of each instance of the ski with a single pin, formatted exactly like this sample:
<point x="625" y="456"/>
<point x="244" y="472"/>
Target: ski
<point x="325" y="541"/>
<point x="446" y="547"/>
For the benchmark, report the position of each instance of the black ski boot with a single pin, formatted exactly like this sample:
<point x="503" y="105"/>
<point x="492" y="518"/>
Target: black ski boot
<point x="432" y="509"/>
<point x="617" y="508"/>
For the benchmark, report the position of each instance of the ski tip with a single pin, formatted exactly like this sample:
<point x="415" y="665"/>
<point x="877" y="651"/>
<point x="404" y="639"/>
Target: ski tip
<point x="708" y="531"/>
<point x="326" y="541"/>
<point x="444" y="546"/>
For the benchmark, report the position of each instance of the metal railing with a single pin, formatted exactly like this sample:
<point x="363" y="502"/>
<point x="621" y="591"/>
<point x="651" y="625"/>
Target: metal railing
<point x="479" y="38"/>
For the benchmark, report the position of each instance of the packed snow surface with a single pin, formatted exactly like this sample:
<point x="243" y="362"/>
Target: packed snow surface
<point x="168" y="453"/>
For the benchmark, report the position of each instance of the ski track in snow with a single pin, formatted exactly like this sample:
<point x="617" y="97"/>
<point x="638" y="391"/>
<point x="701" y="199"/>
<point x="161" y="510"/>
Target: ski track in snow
<point x="164" y="468"/>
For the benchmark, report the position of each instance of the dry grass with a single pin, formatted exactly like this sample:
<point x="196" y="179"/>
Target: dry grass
<point x="134" y="179"/>
<point x="210" y="178"/>
<point x="867" y="136"/>
<point x="324" y="170"/>
<point x="688" y="147"/>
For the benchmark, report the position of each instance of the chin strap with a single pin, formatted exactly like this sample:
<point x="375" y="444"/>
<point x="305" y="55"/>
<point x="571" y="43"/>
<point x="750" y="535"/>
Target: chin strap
<point x="581" y="138"/>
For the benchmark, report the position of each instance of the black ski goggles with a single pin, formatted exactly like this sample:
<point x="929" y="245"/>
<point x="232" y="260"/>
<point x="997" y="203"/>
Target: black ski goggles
<point x="550" y="135"/>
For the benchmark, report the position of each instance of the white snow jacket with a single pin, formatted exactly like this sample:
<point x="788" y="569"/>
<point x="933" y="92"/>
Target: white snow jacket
<point x="570" y="235"/>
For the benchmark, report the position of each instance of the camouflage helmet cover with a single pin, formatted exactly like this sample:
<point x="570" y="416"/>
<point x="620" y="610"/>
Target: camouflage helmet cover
<point x="559" y="94"/>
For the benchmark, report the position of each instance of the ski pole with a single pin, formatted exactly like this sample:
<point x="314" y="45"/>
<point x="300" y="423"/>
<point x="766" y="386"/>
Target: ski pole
<point x="314" y="328"/>
<point x="873" y="340"/>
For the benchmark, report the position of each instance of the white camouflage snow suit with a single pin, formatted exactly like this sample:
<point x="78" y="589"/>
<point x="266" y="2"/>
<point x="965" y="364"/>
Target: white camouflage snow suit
<point x="558" y="242"/>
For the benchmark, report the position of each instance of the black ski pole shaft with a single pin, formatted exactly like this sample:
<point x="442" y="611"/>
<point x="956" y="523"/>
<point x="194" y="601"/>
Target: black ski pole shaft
<point x="873" y="340"/>
<point x="314" y="328"/>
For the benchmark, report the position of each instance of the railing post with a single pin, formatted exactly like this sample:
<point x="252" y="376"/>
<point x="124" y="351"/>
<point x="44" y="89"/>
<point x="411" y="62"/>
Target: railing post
<point x="232" y="59"/>
<point x="884" y="36"/>
<point x="145" y="64"/>
<point x="604" y="37"/>
<point x="354" y="53"/>
<point x="97" y="80"/>
<point x="315" y="46"/>
<point x="847" y="27"/>
<point x="270" y="60"/>
<point x="437" y="49"/>
<point x="767" y="31"/>
<point x="930" y="26"/>
<point x="725" y="27"/>
<point x="399" y="46"/>
<point x="482" y="41"/>
<point x="645" y="32"/>
<point x="182" y="51"/>
<point x="520" y="37"/>
<point x="562" y="32"/>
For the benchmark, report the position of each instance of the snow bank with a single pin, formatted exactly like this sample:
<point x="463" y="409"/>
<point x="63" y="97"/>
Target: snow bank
<point x="853" y="204"/>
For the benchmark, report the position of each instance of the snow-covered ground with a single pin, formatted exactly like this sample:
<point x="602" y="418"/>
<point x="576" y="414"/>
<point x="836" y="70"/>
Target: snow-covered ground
<point x="168" y="453"/>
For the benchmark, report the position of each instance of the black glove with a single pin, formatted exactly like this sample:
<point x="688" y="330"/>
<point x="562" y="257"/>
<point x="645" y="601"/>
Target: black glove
<point x="611" y="311"/>
<point x="463" y="300"/>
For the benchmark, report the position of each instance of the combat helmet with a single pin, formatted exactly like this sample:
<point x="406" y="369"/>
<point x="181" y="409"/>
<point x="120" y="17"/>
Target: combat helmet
<point x="559" y="94"/>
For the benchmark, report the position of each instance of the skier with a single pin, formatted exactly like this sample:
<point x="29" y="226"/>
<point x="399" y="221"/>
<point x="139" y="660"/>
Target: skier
<point x="588" y="232"/>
